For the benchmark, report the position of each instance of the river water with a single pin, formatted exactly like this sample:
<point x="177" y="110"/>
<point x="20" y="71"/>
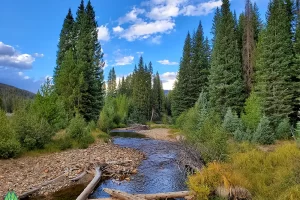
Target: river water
<point x="158" y="173"/>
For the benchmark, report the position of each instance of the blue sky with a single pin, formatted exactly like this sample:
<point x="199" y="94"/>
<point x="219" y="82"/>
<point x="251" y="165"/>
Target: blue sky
<point x="156" y="29"/>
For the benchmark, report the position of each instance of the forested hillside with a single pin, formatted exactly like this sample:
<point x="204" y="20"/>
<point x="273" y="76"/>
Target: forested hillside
<point x="10" y="96"/>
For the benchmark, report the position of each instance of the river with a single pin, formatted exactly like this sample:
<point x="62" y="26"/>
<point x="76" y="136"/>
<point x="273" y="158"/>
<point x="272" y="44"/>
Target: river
<point x="159" y="172"/>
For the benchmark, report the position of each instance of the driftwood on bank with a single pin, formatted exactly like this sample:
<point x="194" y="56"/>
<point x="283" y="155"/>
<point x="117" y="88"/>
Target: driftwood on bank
<point x="80" y="176"/>
<point x="91" y="186"/>
<point x="125" y="196"/>
<point x="34" y="190"/>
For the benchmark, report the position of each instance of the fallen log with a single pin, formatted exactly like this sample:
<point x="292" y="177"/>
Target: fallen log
<point x="122" y="195"/>
<point x="88" y="190"/>
<point x="34" y="190"/>
<point x="125" y="196"/>
<point x="80" y="176"/>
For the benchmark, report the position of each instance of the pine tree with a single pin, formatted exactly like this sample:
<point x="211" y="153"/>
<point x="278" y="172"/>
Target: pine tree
<point x="181" y="99"/>
<point x="215" y="24"/>
<point x="89" y="62"/>
<point x="112" y="82"/>
<point x="141" y="92"/>
<point x="225" y="81"/>
<point x="296" y="67"/>
<point x="157" y="97"/>
<point x="66" y="42"/>
<point x="248" y="47"/>
<point x="274" y="64"/>
<point x="199" y="65"/>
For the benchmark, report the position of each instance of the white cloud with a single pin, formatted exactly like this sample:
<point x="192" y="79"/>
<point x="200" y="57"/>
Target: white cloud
<point x="168" y="80"/>
<point x="145" y="29"/>
<point x="26" y="77"/>
<point x="118" y="29"/>
<point x="132" y="16"/>
<point x="204" y="8"/>
<point x="156" y="39"/>
<point x="9" y="57"/>
<point x="163" y="12"/>
<point x="126" y="60"/>
<point x="20" y="73"/>
<point x="38" y="55"/>
<point x="103" y="33"/>
<point x="167" y="62"/>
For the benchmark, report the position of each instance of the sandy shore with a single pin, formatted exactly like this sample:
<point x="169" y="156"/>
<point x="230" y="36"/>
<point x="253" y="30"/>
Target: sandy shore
<point x="25" y="173"/>
<point x="158" y="134"/>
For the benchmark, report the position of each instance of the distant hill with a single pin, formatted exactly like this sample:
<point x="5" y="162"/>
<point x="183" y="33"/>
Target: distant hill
<point x="10" y="95"/>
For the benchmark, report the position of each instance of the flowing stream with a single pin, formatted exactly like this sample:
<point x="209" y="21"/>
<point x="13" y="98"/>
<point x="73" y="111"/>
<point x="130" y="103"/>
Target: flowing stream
<point x="158" y="173"/>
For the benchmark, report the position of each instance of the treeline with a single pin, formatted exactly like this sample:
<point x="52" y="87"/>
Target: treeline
<point x="250" y="78"/>
<point x="138" y="98"/>
<point x="72" y="101"/>
<point x="11" y="96"/>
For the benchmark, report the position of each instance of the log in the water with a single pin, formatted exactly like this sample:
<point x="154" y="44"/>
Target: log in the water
<point x="125" y="196"/>
<point x="91" y="186"/>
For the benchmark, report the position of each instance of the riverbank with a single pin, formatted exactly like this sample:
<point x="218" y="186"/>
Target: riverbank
<point x="26" y="173"/>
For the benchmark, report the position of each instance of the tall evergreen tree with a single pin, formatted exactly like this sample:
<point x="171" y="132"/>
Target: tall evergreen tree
<point x="248" y="46"/>
<point x="199" y="65"/>
<point x="89" y="62"/>
<point x="157" y="98"/>
<point x="274" y="63"/>
<point x="111" y="82"/>
<point x="66" y="42"/>
<point x="182" y="99"/>
<point x="225" y="81"/>
<point x="296" y="67"/>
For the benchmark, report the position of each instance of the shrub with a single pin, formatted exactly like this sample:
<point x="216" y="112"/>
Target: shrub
<point x="190" y="124"/>
<point x="267" y="175"/>
<point x="77" y="127"/>
<point x="264" y="133"/>
<point x="252" y="112"/>
<point x="231" y="122"/>
<point x="181" y="120"/>
<point x="32" y="132"/>
<point x="283" y="130"/>
<point x="210" y="139"/>
<point x="86" y="140"/>
<point x="64" y="143"/>
<point x="9" y="145"/>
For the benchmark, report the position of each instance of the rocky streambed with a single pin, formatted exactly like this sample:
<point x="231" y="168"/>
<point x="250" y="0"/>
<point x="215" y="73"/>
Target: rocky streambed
<point x="26" y="173"/>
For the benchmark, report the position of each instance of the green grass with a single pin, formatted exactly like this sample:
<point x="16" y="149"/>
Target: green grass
<point x="61" y="142"/>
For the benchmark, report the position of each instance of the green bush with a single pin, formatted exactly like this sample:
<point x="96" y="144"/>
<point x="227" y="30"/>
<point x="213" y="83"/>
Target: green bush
<point x="264" y="133"/>
<point x="232" y="122"/>
<point x="9" y="148"/>
<point x="252" y="112"/>
<point x="180" y="120"/>
<point x="64" y="143"/>
<point x="86" y="140"/>
<point x="283" y="130"/>
<point x="32" y="132"/>
<point x="77" y="127"/>
<point x="9" y="145"/>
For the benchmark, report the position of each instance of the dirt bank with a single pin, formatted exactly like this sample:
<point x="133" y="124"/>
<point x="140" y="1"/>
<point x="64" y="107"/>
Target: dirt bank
<point x="158" y="134"/>
<point x="25" y="173"/>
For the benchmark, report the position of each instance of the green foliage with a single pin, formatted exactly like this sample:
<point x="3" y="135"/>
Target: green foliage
<point x="141" y="92"/>
<point x="274" y="63"/>
<point x="232" y="122"/>
<point x="252" y="112"/>
<point x="46" y="105"/>
<point x="111" y="82"/>
<point x="85" y="141"/>
<point x="264" y="134"/>
<point x="64" y="143"/>
<point x="32" y="132"/>
<point x="114" y="113"/>
<point x="9" y="145"/>
<point x="283" y="130"/>
<point x="157" y="98"/>
<point x="226" y="87"/>
<point x="266" y="175"/>
<point x="77" y="128"/>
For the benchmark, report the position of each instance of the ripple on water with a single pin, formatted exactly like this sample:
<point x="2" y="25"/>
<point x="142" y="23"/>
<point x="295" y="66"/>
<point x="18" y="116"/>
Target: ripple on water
<point x="158" y="173"/>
